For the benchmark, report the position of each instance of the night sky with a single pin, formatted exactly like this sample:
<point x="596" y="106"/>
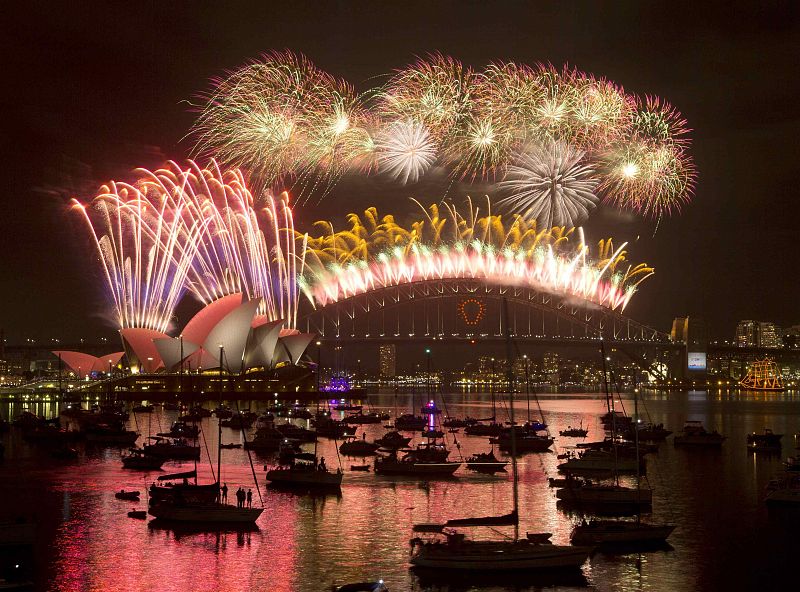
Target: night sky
<point x="91" y="91"/>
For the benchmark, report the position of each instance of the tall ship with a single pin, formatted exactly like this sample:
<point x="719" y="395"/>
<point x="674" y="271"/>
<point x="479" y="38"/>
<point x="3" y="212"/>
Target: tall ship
<point x="763" y="375"/>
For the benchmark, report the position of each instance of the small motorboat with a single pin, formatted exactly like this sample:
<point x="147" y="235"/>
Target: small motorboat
<point x="766" y="442"/>
<point x="695" y="435"/>
<point x="571" y="432"/>
<point x="230" y="445"/>
<point x="127" y="495"/>
<point x="138" y="514"/>
<point x="357" y="447"/>
<point x="608" y="532"/>
<point x="364" y="468"/>
<point x="486" y="462"/>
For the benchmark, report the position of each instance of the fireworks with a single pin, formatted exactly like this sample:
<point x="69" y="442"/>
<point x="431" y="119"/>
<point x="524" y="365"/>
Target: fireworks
<point x="406" y="151"/>
<point x="376" y="253"/>
<point x="551" y="183"/>
<point x="195" y="229"/>
<point x="291" y="125"/>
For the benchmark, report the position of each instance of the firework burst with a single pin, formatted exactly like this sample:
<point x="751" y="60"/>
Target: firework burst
<point x="405" y="151"/>
<point x="287" y="123"/>
<point x="550" y="183"/>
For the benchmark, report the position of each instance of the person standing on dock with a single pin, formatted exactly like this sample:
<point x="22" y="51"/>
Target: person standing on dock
<point x="249" y="498"/>
<point x="224" y="493"/>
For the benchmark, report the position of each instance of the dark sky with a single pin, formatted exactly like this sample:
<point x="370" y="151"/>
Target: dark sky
<point x="92" y="90"/>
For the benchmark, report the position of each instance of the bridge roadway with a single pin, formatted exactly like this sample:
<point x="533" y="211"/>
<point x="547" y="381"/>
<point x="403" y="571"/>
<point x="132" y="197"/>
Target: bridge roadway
<point x="592" y="342"/>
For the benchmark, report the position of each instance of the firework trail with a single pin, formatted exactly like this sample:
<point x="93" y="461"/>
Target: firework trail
<point x="550" y="184"/>
<point x="195" y="229"/>
<point x="377" y="252"/>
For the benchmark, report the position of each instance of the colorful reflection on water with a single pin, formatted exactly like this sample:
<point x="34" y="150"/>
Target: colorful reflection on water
<point x="87" y="542"/>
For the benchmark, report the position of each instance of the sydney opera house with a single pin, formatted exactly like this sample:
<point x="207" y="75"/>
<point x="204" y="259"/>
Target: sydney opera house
<point x="227" y="335"/>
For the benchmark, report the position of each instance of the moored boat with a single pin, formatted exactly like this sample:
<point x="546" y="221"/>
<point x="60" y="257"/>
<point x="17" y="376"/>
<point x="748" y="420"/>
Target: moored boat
<point x="766" y="442"/>
<point x="694" y="434"/>
<point x="138" y="459"/>
<point x="605" y="532"/>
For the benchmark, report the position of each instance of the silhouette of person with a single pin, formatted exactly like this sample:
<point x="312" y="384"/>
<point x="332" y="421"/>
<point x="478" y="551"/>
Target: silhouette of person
<point x="322" y="466"/>
<point x="249" y="498"/>
<point x="224" y="493"/>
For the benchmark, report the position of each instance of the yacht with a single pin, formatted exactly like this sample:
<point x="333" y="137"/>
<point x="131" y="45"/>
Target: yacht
<point x="694" y="434"/>
<point x="600" y="532"/>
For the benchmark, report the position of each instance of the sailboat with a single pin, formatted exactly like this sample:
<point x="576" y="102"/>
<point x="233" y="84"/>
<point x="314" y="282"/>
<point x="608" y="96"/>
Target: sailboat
<point x="612" y="496"/>
<point x="180" y="509"/>
<point x="457" y="552"/>
<point x="598" y="532"/>
<point x="307" y="473"/>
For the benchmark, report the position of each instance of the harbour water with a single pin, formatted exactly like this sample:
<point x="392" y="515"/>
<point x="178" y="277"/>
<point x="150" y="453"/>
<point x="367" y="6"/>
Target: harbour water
<point x="725" y="536"/>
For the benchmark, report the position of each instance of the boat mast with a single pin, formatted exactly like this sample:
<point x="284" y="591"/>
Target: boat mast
<point x="510" y="376"/>
<point x="219" y="421"/>
<point x="636" y="443"/>
<point x="610" y="405"/>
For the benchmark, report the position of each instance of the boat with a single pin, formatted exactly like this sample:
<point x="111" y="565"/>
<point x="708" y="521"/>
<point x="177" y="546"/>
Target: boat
<point x="306" y="474"/>
<point x="230" y="445"/>
<point x="331" y="428"/>
<point x="138" y="514"/>
<point x="177" y="488"/>
<point x="222" y="412"/>
<point x="454" y="422"/>
<point x="181" y="429"/>
<point x="694" y="434"/>
<point x="766" y="442"/>
<point x="138" y="459"/>
<point x="524" y="442"/>
<point x="127" y="495"/>
<point x="413" y="465"/>
<point x="143" y="409"/>
<point x="204" y="513"/>
<point x="363" y="468"/>
<point x="237" y="421"/>
<point x="486" y="462"/>
<point x="648" y="432"/>
<point x="179" y="506"/>
<point x="175" y="448"/>
<point x="344" y="406"/>
<point x="484" y="429"/>
<point x="599" y="461"/>
<point x="432" y="433"/>
<point x="295" y="432"/>
<point x="356" y="447"/>
<point x="571" y="432"/>
<point x="785" y="492"/>
<point x="266" y="438"/>
<point x="606" y="532"/>
<point x="609" y="532"/>
<point x="393" y="440"/>
<point x="584" y="494"/>
<point x="363" y="418"/>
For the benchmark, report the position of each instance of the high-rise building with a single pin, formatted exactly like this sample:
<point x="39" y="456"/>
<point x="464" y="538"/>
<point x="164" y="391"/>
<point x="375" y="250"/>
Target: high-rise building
<point x="387" y="360"/>
<point x="751" y="333"/>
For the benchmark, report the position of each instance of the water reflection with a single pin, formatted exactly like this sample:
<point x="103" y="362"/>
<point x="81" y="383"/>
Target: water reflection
<point x="305" y="542"/>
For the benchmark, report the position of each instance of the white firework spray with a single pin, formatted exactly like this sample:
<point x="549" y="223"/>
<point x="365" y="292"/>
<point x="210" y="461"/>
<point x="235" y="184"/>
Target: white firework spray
<point x="405" y="151"/>
<point x="550" y="183"/>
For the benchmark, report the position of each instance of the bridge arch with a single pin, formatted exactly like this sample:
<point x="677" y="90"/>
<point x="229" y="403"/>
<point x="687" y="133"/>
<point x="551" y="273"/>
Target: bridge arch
<point x="419" y="310"/>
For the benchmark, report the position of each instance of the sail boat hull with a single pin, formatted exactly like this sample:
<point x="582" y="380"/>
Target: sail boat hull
<point x="205" y="513"/>
<point x="498" y="555"/>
